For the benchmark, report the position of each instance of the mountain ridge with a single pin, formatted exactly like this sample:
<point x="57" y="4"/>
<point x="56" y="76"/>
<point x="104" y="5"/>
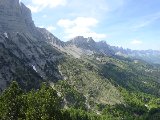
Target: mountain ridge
<point x="83" y="75"/>
<point x="87" y="46"/>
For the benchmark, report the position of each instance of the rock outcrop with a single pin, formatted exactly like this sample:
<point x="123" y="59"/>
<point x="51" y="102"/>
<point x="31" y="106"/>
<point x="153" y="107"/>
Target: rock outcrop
<point x="26" y="56"/>
<point x="87" y="46"/>
<point x="15" y="17"/>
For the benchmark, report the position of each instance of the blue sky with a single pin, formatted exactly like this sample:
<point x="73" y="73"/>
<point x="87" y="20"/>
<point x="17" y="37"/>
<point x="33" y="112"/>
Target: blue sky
<point x="131" y="24"/>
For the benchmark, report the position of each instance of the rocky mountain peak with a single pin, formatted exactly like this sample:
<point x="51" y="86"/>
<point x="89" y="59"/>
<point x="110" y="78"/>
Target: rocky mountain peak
<point x="80" y="40"/>
<point x="15" y="17"/>
<point x="50" y="38"/>
<point x="90" y="40"/>
<point x="102" y="42"/>
<point x="77" y="39"/>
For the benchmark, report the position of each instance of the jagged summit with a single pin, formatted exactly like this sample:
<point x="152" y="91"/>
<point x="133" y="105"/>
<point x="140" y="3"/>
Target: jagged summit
<point x="51" y="38"/>
<point x="81" y="40"/>
<point x="90" y="46"/>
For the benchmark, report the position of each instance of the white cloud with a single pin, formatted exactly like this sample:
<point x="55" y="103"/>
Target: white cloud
<point x="38" y="5"/>
<point x="34" y="9"/>
<point x="136" y="42"/>
<point x="80" y="26"/>
<point x="79" y="22"/>
<point x="94" y="8"/>
<point x="51" y="28"/>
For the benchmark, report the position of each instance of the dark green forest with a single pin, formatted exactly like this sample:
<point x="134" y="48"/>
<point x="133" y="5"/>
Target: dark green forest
<point x="46" y="104"/>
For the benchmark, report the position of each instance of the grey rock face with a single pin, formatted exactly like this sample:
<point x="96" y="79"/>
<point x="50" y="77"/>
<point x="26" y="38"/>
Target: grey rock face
<point x="51" y="38"/>
<point x="82" y="42"/>
<point x="89" y="46"/>
<point x="25" y="54"/>
<point x="27" y="60"/>
<point x="15" y="17"/>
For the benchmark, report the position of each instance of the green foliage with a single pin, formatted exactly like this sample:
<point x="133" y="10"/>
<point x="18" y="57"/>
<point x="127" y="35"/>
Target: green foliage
<point x="83" y="76"/>
<point x="45" y="104"/>
<point x="132" y="75"/>
<point x="137" y="106"/>
<point x="136" y="86"/>
<point x="73" y="97"/>
<point x="11" y="103"/>
<point x="78" y="114"/>
<point x="94" y="88"/>
<point x="154" y="114"/>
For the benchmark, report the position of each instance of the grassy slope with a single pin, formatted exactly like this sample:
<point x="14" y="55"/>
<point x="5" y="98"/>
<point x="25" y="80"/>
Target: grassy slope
<point x="84" y="77"/>
<point x="108" y="81"/>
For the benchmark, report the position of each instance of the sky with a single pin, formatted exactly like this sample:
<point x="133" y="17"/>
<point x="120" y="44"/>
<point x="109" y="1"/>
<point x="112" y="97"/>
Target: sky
<point x="133" y="24"/>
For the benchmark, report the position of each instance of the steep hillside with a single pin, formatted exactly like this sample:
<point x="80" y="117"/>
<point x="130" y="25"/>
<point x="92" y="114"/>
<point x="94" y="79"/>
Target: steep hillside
<point x="99" y="77"/>
<point x="130" y="74"/>
<point x="120" y="87"/>
<point x="25" y="54"/>
<point x="85" y="80"/>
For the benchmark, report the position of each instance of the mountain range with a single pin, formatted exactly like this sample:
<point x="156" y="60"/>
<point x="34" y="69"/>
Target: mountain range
<point x="96" y="74"/>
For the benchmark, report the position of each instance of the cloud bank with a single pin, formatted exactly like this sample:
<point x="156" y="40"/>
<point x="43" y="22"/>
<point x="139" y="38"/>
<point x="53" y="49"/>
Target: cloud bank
<point x="80" y="26"/>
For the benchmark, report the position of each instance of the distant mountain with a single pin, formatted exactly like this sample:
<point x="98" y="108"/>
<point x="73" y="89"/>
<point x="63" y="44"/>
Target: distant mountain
<point x="151" y="56"/>
<point x="88" y="46"/>
<point x="101" y="47"/>
<point x="79" y="45"/>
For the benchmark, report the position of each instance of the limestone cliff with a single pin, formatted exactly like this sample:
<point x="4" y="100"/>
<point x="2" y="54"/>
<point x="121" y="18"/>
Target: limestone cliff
<point x="15" y="17"/>
<point x="25" y="54"/>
